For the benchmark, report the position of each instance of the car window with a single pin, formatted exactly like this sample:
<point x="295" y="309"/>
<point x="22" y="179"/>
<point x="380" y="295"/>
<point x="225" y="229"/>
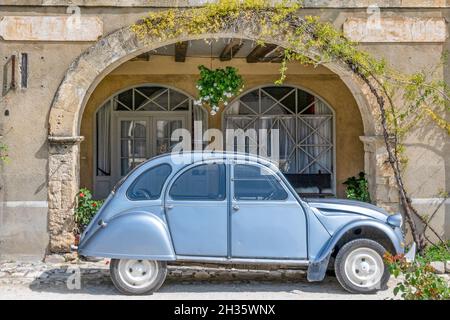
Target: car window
<point x="149" y="184"/>
<point x="256" y="183"/>
<point x="203" y="182"/>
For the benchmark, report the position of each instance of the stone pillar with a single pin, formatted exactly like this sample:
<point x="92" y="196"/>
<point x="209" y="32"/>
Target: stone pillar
<point x="382" y="186"/>
<point x="63" y="185"/>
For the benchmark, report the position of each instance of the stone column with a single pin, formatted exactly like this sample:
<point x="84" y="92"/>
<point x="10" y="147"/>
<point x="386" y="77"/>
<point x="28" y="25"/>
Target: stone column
<point x="63" y="185"/>
<point x="382" y="186"/>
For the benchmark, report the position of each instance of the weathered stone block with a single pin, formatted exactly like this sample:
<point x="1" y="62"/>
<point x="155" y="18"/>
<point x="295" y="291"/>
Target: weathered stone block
<point x="54" y="194"/>
<point x="395" y="29"/>
<point x="51" y="28"/>
<point x="56" y="220"/>
<point x="381" y="180"/>
<point x="61" y="243"/>
<point x="382" y="192"/>
<point x="393" y="195"/>
<point x="202" y="275"/>
<point x="68" y="193"/>
<point x="55" y="258"/>
<point x="61" y="167"/>
<point x="438" y="266"/>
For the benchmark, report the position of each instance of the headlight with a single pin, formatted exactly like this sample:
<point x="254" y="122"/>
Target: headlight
<point x="395" y="220"/>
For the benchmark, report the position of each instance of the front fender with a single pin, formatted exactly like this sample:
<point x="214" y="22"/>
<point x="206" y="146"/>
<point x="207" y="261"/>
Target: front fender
<point x="134" y="235"/>
<point x="318" y="267"/>
<point x="387" y="230"/>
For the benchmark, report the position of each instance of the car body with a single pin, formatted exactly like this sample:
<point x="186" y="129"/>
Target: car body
<point x="232" y="208"/>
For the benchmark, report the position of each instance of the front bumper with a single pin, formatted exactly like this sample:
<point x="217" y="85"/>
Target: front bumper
<point x="410" y="256"/>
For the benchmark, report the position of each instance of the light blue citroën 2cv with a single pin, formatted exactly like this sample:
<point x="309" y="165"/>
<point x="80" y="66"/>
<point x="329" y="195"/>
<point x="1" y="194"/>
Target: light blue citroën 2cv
<point x="227" y="208"/>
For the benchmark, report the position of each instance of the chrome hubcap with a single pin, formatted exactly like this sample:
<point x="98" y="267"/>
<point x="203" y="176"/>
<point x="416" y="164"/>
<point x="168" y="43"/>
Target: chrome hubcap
<point x="137" y="273"/>
<point x="364" y="267"/>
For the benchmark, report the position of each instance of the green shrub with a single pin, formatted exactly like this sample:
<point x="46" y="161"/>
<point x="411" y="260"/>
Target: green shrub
<point x="357" y="188"/>
<point x="419" y="281"/>
<point x="86" y="208"/>
<point x="439" y="252"/>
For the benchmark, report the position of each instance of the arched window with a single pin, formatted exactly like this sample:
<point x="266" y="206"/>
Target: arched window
<point x="305" y="126"/>
<point x="136" y="124"/>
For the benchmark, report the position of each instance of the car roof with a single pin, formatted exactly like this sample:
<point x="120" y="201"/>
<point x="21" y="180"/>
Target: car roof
<point x="196" y="156"/>
<point x="191" y="157"/>
<point x="182" y="159"/>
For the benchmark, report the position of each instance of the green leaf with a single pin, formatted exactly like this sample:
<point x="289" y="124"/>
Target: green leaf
<point x="396" y="290"/>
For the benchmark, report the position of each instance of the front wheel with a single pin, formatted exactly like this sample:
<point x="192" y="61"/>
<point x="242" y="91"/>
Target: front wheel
<point x="137" y="276"/>
<point x="360" y="268"/>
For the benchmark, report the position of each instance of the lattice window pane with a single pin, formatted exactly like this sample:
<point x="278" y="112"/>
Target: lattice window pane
<point x="305" y="127"/>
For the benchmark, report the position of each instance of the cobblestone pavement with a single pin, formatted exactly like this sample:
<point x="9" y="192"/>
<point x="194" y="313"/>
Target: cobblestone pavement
<point x="40" y="280"/>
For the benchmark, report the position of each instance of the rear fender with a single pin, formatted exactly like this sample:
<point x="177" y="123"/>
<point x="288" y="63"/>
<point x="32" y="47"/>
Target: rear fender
<point x="133" y="235"/>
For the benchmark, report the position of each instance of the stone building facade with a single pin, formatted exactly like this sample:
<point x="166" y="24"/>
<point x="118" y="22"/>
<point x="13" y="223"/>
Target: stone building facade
<point x="74" y="75"/>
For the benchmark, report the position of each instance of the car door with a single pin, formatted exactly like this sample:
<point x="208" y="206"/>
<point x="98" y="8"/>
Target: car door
<point x="266" y="219"/>
<point x="197" y="210"/>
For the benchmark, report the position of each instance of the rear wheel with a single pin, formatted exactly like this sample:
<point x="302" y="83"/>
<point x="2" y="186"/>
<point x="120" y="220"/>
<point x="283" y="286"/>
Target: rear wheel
<point x="360" y="268"/>
<point x="137" y="276"/>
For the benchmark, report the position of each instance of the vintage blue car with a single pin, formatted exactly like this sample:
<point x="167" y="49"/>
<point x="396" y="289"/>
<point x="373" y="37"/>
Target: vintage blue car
<point x="239" y="209"/>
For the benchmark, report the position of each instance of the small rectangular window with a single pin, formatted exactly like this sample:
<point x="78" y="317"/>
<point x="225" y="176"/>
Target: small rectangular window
<point x="24" y="71"/>
<point x="148" y="185"/>
<point x="202" y="182"/>
<point x="256" y="183"/>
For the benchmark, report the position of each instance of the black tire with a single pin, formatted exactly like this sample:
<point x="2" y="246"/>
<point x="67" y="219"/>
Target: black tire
<point x="126" y="288"/>
<point x="341" y="258"/>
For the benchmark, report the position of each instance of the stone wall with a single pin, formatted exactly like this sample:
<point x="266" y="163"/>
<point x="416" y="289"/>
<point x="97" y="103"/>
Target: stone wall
<point x="190" y="3"/>
<point x="382" y="185"/>
<point x="62" y="186"/>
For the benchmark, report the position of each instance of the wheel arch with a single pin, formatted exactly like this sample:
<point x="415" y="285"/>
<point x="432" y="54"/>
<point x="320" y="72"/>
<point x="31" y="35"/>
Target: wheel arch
<point x="365" y="232"/>
<point x="361" y="229"/>
<point x="368" y="229"/>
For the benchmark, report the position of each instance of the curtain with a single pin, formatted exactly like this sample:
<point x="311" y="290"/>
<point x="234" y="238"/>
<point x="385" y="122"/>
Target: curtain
<point x="305" y="140"/>
<point x="104" y="140"/>
<point x="201" y="115"/>
<point x="316" y="137"/>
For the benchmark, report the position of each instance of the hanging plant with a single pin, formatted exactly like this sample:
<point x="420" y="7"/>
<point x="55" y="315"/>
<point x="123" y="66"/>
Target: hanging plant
<point x="216" y="87"/>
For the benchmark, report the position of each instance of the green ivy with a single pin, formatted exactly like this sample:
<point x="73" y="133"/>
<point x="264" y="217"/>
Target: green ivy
<point x="358" y="188"/>
<point x="216" y="87"/>
<point x="86" y="208"/>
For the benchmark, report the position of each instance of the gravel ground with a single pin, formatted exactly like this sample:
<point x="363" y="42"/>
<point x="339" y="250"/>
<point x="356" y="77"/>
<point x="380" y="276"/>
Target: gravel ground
<point x="197" y="290"/>
<point x="57" y="279"/>
<point x="53" y="280"/>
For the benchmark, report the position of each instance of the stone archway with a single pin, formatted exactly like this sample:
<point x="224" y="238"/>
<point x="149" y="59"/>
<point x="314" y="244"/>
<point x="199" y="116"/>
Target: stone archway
<point x="96" y="62"/>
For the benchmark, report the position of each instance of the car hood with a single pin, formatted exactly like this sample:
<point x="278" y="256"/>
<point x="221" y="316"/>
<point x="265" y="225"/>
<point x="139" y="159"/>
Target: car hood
<point x="348" y="206"/>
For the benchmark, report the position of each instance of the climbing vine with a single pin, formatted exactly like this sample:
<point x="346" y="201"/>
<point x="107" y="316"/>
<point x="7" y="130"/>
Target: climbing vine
<point x="313" y="42"/>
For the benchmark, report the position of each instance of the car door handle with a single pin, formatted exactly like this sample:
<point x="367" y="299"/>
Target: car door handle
<point x="235" y="207"/>
<point x="169" y="206"/>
